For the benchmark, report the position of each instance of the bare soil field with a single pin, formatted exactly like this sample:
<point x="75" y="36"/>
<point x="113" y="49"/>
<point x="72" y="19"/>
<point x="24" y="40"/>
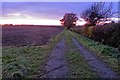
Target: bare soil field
<point x="28" y="35"/>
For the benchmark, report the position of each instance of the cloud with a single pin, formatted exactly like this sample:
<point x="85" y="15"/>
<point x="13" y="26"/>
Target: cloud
<point x="18" y="16"/>
<point x="42" y="10"/>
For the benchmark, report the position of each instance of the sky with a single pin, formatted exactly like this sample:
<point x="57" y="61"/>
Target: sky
<point x="59" y="0"/>
<point x="42" y="12"/>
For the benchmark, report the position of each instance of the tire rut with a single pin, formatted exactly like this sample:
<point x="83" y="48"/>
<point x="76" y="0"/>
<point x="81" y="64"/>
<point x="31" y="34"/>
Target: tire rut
<point x="56" y="67"/>
<point x="96" y="65"/>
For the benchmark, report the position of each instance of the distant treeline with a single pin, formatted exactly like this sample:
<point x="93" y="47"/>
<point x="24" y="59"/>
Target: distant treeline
<point x="108" y="34"/>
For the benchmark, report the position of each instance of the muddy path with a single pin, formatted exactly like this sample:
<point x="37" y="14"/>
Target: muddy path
<point x="56" y="67"/>
<point x="96" y="65"/>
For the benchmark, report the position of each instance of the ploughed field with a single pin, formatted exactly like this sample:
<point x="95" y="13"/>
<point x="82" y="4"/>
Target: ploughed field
<point x="28" y="35"/>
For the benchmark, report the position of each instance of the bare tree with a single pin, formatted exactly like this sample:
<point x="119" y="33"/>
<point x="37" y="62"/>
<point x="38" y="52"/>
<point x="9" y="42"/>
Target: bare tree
<point x="96" y="12"/>
<point x="69" y="20"/>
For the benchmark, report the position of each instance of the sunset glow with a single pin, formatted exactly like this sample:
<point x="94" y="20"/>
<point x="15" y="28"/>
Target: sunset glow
<point x="81" y="22"/>
<point x="35" y="22"/>
<point x="30" y="21"/>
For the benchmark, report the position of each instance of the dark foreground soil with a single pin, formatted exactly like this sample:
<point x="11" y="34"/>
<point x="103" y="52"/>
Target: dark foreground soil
<point x="28" y="35"/>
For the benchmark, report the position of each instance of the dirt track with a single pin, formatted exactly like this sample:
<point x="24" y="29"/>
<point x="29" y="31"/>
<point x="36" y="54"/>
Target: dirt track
<point x="57" y="67"/>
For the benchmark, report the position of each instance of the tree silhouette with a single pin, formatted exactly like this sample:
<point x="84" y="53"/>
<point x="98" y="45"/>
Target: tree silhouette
<point x="69" y="20"/>
<point x="96" y="12"/>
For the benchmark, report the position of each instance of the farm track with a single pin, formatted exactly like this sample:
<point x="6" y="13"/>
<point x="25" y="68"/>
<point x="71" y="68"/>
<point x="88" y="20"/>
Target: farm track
<point x="57" y="67"/>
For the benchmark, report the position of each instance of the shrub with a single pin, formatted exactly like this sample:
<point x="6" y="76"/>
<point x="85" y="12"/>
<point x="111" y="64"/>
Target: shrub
<point x="108" y="34"/>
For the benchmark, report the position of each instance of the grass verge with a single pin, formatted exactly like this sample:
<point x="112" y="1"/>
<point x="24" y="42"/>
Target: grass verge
<point x="28" y="61"/>
<point x="79" y="68"/>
